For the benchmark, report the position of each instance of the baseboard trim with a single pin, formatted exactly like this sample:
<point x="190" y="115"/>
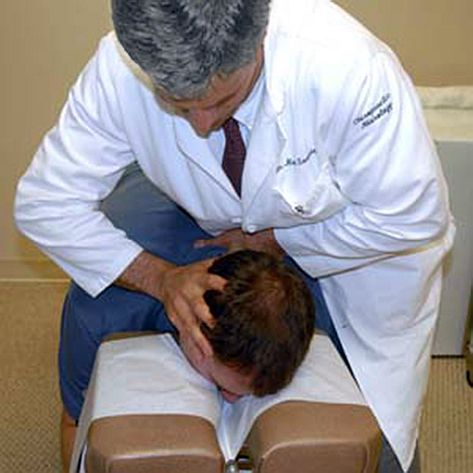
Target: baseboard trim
<point x="31" y="270"/>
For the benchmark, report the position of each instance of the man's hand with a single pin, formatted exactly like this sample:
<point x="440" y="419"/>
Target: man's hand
<point x="236" y="239"/>
<point x="180" y="289"/>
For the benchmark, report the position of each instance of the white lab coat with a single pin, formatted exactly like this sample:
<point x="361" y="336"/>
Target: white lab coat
<point x="339" y="162"/>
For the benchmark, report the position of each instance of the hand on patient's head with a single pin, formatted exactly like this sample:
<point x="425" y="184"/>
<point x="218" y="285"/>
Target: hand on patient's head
<point x="264" y="321"/>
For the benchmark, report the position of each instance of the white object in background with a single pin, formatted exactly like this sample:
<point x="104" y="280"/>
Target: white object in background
<point x="449" y="114"/>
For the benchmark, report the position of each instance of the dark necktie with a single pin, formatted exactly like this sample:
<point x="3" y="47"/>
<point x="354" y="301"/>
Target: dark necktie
<point x="233" y="154"/>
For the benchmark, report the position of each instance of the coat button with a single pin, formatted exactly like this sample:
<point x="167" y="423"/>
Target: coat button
<point x="251" y="228"/>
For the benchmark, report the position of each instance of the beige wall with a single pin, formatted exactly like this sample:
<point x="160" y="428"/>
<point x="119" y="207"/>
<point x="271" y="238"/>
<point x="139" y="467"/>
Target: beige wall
<point x="433" y="38"/>
<point x="43" y="46"/>
<point x="45" y="43"/>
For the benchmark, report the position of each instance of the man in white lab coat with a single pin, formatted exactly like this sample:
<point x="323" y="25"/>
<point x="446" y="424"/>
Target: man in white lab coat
<point x="340" y="177"/>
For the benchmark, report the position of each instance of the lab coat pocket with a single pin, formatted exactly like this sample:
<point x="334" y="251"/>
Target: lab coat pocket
<point x="307" y="188"/>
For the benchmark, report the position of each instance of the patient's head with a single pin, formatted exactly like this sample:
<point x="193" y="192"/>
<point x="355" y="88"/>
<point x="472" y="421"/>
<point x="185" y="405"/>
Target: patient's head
<point x="264" y="321"/>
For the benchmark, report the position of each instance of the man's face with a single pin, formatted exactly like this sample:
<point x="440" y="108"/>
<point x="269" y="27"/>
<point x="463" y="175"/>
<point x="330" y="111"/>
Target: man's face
<point x="224" y="95"/>
<point x="231" y="383"/>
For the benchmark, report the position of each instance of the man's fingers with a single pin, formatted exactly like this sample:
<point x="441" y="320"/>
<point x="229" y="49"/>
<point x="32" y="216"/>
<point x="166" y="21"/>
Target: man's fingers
<point x="228" y="239"/>
<point x="185" y="318"/>
<point x="185" y="287"/>
<point x="187" y="321"/>
<point x="175" y="320"/>
<point x="201" y="313"/>
<point x="202" y="243"/>
<point x="217" y="241"/>
<point x="194" y="354"/>
<point x="216" y="282"/>
<point x="201" y="342"/>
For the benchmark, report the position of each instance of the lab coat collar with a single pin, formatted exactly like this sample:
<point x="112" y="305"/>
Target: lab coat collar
<point x="248" y="110"/>
<point x="266" y="142"/>
<point x="198" y="150"/>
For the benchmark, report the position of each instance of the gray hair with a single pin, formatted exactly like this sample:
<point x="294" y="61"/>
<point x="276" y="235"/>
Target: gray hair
<point x="182" y="44"/>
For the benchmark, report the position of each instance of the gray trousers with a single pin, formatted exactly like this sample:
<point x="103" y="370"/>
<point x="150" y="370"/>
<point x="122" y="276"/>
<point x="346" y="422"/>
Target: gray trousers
<point x="388" y="462"/>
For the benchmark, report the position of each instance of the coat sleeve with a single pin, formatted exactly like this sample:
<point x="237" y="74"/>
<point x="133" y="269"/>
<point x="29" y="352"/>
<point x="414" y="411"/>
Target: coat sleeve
<point x="385" y="164"/>
<point x="78" y="164"/>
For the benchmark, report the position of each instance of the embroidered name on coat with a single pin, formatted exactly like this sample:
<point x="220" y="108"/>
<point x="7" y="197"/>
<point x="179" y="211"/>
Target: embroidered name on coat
<point x="381" y="108"/>
<point x="296" y="161"/>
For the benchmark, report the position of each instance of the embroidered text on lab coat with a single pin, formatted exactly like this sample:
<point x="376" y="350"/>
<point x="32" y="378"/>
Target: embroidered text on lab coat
<point x="383" y="107"/>
<point x="296" y="161"/>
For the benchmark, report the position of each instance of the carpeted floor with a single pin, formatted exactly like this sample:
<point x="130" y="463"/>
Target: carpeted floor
<point x="29" y="400"/>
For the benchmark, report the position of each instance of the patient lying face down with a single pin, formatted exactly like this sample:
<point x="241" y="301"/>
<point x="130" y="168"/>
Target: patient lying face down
<point x="264" y="321"/>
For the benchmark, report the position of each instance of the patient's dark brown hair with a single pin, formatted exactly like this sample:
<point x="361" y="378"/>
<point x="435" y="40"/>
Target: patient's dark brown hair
<point x="264" y="318"/>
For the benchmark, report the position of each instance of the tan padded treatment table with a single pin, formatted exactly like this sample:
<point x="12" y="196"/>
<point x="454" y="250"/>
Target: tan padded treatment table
<point x="291" y="437"/>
